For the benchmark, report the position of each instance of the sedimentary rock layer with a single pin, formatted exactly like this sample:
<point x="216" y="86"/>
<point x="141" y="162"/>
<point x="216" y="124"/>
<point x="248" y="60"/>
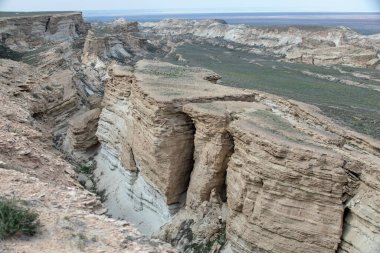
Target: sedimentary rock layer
<point x="82" y="129"/>
<point x="37" y="177"/>
<point x="282" y="172"/>
<point x="320" y="46"/>
<point x="149" y="136"/>
<point x="25" y="32"/>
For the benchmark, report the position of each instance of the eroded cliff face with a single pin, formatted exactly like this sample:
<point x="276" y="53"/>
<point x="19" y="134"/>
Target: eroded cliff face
<point x="206" y="167"/>
<point x="47" y="104"/>
<point x="120" y="41"/>
<point x="36" y="174"/>
<point x="23" y="33"/>
<point x="320" y="46"/>
<point x="248" y="168"/>
<point x="141" y="121"/>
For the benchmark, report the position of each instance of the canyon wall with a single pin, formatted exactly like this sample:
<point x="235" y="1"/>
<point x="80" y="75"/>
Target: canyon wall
<point x="206" y="167"/>
<point x="25" y="32"/>
<point x="39" y="178"/>
<point x="320" y="46"/>
<point x="249" y="169"/>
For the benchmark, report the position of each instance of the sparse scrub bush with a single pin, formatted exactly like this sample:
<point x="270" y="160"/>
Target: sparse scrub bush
<point x="17" y="220"/>
<point x="85" y="169"/>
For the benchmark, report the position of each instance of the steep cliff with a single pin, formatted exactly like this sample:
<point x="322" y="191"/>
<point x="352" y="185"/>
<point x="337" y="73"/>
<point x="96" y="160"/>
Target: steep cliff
<point x="26" y="32"/>
<point x="37" y="175"/>
<point x="320" y="46"/>
<point x="250" y="168"/>
<point x="206" y="167"/>
<point x="45" y="105"/>
<point x="120" y="41"/>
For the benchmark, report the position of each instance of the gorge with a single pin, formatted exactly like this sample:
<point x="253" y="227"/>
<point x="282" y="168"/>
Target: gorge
<point x="175" y="152"/>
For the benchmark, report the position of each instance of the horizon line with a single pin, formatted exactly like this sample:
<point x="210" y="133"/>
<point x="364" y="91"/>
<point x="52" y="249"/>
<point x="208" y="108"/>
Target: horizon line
<point x="162" y="11"/>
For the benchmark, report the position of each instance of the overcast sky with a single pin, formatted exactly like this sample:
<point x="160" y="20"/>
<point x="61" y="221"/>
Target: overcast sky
<point x="195" y="5"/>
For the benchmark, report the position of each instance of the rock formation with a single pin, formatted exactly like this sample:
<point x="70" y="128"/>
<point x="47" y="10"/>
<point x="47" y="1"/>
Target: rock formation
<point x="42" y="104"/>
<point x="320" y="46"/>
<point x="26" y="32"/>
<point x="118" y="41"/>
<point x="283" y="171"/>
<point x="206" y="167"/>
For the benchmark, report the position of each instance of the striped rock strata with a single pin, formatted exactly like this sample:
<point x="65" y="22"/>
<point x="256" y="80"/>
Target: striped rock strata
<point x="264" y="174"/>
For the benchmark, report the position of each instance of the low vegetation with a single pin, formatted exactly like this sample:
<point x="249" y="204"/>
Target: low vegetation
<point x="7" y="53"/>
<point x="344" y="103"/>
<point x="17" y="220"/>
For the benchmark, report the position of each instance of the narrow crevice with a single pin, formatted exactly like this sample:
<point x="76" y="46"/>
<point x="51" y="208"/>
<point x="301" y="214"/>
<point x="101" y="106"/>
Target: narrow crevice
<point x="47" y="24"/>
<point x="227" y="158"/>
<point x="346" y="214"/>
<point x="192" y="130"/>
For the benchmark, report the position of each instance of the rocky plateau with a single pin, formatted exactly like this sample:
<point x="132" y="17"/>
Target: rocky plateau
<point x="119" y="151"/>
<point x="310" y="45"/>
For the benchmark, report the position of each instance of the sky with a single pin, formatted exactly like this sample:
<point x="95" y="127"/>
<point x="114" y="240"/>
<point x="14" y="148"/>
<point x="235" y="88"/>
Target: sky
<point x="171" y="6"/>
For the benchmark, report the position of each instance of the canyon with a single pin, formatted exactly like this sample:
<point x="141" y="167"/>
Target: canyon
<point x="315" y="45"/>
<point x="95" y="122"/>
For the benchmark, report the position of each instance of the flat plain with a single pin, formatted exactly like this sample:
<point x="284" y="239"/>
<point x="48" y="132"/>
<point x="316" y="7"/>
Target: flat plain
<point x="352" y="97"/>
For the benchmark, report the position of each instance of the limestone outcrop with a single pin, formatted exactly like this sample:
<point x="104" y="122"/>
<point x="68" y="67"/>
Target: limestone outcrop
<point x="119" y="41"/>
<point x="25" y="32"/>
<point x="82" y="129"/>
<point x="203" y="166"/>
<point x="253" y="167"/>
<point x="131" y="128"/>
<point x="44" y="105"/>
<point x="320" y="46"/>
<point x="37" y="175"/>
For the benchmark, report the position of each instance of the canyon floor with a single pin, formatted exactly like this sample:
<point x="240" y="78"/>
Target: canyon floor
<point x="190" y="136"/>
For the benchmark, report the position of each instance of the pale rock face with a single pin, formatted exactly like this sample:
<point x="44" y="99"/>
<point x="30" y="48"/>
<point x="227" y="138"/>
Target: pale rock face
<point x="32" y="171"/>
<point x="211" y="163"/>
<point x="70" y="225"/>
<point x="81" y="132"/>
<point x="213" y="148"/>
<point x="325" y="46"/>
<point x="129" y="196"/>
<point x="271" y="169"/>
<point x="299" y="207"/>
<point x="361" y="228"/>
<point x="132" y="127"/>
<point x="163" y="135"/>
<point x="92" y="48"/>
<point x="22" y="33"/>
<point x="114" y="42"/>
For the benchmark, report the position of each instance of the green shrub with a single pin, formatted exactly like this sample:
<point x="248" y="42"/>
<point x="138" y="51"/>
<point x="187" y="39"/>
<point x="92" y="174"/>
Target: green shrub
<point x="16" y="220"/>
<point x="85" y="169"/>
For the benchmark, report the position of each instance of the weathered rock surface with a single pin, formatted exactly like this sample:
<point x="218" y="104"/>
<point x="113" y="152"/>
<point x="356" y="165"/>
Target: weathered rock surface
<point x="158" y="95"/>
<point x="320" y="46"/>
<point x="223" y="169"/>
<point x="283" y="172"/>
<point x="22" y="33"/>
<point x="131" y="128"/>
<point x="70" y="220"/>
<point x="119" y="41"/>
<point x="82" y="129"/>
<point x="40" y="101"/>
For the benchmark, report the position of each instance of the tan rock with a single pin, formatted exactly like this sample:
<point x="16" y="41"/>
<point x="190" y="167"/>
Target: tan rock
<point x="24" y="32"/>
<point x="320" y="46"/>
<point x="81" y="133"/>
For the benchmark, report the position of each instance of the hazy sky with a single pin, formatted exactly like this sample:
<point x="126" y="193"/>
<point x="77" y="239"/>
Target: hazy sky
<point x="195" y="5"/>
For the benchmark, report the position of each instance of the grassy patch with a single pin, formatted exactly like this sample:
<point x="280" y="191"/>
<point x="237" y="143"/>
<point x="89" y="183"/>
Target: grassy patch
<point x="342" y="102"/>
<point x="81" y="241"/>
<point x="85" y="169"/>
<point x="208" y="245"/>
<point x="17" y="220"/>
<point x="7" y="53"/>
